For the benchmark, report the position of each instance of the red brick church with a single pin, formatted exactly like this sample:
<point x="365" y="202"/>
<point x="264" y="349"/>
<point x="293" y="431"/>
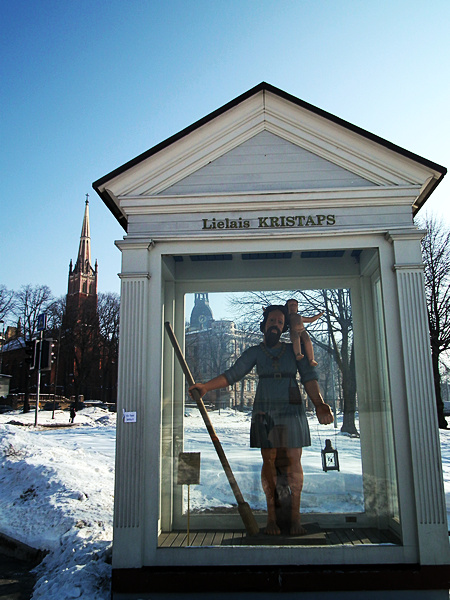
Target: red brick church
<point x="80" y="351"/>
<point x="82" y="287"/>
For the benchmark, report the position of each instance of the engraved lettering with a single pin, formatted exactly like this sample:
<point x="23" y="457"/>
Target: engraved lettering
<point x="290" y="221"/>
<point x="270" y="222"/>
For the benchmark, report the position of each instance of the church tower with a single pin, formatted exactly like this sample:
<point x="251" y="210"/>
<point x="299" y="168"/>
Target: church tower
<point x="201" y="315"/>
<point x="82" y="287"/>
<point x="80" y="353"/>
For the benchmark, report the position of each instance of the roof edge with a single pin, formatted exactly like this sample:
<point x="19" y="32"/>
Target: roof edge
<point x="263" y="86"/>
<point x="105" y="196"/>
<point x="177" y="136"/>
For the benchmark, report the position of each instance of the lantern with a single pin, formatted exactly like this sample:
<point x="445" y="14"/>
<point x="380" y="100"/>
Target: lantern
<point x="330" y="460"/>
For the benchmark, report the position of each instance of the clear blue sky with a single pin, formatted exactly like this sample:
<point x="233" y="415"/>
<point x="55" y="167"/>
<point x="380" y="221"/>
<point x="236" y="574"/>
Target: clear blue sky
<point x="89" y="85"/>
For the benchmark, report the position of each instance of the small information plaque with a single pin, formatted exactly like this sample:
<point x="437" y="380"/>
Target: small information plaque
<point x="129" y="417"/>
<point x="188" y="468"/>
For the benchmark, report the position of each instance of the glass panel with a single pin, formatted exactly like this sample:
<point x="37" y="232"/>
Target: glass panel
<point x="386" y="429"/>
<point x="219" y="327"/>
<point x="349" y="346"/>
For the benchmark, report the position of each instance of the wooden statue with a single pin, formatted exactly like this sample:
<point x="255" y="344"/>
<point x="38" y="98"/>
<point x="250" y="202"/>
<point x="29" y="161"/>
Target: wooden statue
<point x="298" y="332"/>
<point x="279" y="427"/>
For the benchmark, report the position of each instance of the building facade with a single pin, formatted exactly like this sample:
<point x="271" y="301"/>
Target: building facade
<point x="212" y="347"/>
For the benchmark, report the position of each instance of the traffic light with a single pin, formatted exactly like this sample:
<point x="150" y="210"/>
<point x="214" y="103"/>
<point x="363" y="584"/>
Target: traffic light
<point x="46" y="354"/>
<point x="30" y="351"/>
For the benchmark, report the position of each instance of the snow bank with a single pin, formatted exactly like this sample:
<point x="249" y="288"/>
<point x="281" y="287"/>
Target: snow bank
<point x="56" y="493"/>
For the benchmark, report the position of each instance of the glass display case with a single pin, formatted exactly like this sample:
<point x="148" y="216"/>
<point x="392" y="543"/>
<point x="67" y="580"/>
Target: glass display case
<point x="357" y="503"/>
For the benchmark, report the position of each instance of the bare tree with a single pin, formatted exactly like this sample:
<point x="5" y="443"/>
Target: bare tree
<point x="336" y="304"/>
<point x="338" y="343"/>
<point x="249" y="307"/>
<point x="30" y="302"/>
<point x="87" y="337"/>
<point x="436" y="258"/>
<point x="108" y="309"/>
<point x="6" y="302"/>
<point x="55" y="314"/>
<point x="109" y="320"/>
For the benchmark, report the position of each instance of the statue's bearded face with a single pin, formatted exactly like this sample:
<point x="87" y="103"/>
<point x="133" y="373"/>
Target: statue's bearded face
<point x="274" y="328"/>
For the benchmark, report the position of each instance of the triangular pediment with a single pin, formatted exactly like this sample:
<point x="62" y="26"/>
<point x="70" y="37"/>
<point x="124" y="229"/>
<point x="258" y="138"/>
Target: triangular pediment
<point x="265" y="142"/>
<point x="266" y="162"/>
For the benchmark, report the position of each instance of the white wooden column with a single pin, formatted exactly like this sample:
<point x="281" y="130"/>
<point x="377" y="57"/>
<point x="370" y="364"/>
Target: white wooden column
<point x="425" y="445"/>
<point x="132" y="389"/>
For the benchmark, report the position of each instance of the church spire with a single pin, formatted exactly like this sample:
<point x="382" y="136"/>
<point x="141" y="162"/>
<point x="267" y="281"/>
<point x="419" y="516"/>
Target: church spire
<point x="84" y="251"/>
<point x="82" y="276"/>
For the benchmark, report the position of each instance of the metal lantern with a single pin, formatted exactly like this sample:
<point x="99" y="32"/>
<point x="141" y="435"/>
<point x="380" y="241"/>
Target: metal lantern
<point x="330" y="459"/>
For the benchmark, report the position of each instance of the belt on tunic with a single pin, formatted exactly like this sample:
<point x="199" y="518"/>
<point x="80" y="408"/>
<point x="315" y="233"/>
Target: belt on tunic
<point x="277" y="376"/>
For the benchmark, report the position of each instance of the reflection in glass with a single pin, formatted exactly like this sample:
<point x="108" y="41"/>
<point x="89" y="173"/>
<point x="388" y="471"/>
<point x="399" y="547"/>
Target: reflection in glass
<point x="211" y="349"/>
<point x="363" y="492"/>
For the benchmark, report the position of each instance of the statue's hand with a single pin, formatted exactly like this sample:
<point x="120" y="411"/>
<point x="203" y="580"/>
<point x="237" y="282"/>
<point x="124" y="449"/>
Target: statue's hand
<point x="324" y="414"/>
<point x="200" y="387"/>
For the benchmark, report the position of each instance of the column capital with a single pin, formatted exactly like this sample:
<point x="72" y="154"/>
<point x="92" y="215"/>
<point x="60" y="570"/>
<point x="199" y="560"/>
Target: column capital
<point x="134" y="275"/>
<point x="134" y="244"/>
<point x="407" y="247"/>
<point x="405" y="235"/>
<point x="408" y="267"/>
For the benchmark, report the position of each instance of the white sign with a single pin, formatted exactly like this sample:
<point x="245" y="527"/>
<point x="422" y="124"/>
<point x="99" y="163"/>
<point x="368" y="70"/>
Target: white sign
<point x="129" y="417"/>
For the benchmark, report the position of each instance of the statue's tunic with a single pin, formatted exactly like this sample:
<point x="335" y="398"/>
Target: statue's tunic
<point x="278" y="417"/>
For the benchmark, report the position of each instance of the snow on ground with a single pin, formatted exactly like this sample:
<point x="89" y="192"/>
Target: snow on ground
<point x="56" y="493"/>
<point x="56" y="487"/>
<point x="323" y="492"/>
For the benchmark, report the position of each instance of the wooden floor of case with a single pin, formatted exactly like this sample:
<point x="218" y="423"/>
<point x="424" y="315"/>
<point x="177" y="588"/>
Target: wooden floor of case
<point x="315" y="536"/>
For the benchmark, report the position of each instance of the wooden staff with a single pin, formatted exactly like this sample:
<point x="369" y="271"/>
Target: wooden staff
<point x="244" y="509"/>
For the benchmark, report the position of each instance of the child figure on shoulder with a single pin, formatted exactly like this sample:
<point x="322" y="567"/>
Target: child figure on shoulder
<point x="298" y="332"/>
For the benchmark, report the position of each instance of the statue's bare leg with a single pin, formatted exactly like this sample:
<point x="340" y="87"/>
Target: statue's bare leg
<point x="309" y="349"/>
<point x="297" y="345"/>
<point x="295" y="480"/>
<point x="269" y="482"/>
